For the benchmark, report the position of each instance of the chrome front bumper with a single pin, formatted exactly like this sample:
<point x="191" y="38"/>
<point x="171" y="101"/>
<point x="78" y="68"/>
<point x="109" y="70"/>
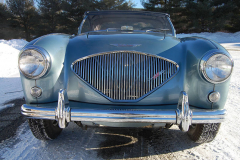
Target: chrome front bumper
<point x="183" y="115"/>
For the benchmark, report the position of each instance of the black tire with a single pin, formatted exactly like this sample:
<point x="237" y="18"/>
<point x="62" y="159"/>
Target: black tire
<point x="203" y="133"/>
<point x="44" y="129"/>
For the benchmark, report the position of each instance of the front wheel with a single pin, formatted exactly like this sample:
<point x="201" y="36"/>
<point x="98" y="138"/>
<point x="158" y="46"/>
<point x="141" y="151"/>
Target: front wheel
<point x="201" y="133"/>
<point x="44" y="129"/>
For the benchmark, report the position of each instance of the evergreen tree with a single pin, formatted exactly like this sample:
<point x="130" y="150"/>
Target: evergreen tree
<point x="114" y="5"/>
<point x="197" y="15"/>
<point x="222" y="13"/>
<point x="200" y="15"/>
<point x="173" y="7"/>
<point x="208" y="15"/>
<point x="4" y="16"/>
<point x="24" y="13"/>
<point x="153" y="5"/>
<point x="72" y="14"/>
<point x="66" y="15"/>
<point x="234" y="23"/>
<point x="4" y="13"/>
<point x="50" y="11"/>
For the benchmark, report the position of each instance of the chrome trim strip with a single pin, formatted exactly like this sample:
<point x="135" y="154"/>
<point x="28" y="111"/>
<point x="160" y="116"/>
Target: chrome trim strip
<point x="183" y="115"/>
<point x="38" y="112"/>
<point x="151" y="116"/>
<point x="132" y="72"/>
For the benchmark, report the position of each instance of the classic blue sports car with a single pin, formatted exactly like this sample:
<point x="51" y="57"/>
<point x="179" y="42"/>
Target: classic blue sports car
<point x="125" y="69"/>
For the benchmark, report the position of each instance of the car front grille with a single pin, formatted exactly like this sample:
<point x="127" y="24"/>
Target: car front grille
<point x="124" y="75"/>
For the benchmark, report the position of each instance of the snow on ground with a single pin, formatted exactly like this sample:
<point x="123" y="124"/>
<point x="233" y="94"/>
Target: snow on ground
<point x="219" y="37"/>
<point x="75" y="143"/>
<point x="10" y="83"/>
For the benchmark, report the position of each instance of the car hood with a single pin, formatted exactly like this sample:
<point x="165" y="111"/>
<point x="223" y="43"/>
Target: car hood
<point x="87" y="44"/>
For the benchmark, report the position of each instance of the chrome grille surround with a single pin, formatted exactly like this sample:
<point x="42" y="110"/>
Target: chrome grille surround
<point x="124" y="76"/>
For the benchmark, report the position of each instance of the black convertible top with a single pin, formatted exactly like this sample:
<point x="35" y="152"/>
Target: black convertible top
<point x="121" y="12"/>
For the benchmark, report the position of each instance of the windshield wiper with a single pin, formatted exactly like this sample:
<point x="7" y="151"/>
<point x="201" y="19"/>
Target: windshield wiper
<point x="123" y="28"/>
<point x="157" y="30"/>
<point x="112" y="29"/>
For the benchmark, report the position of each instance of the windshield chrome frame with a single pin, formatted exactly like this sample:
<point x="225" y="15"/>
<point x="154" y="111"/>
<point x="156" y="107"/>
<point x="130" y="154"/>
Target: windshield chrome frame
<point x="81" y="25"/>
<point x="168" y="18"/>
<point x="173" y="29"/>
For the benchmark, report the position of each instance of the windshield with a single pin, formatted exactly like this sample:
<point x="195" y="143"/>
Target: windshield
<point x="126" y="22"/>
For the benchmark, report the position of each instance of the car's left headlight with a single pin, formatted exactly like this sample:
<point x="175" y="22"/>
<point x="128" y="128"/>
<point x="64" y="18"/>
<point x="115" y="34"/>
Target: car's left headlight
<point x="34" y="62"/>
<point x="216" y="67"/>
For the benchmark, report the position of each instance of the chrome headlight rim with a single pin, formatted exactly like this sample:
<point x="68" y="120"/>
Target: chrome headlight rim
<point x="205" y="59"/>
<point x="45" y="56"/>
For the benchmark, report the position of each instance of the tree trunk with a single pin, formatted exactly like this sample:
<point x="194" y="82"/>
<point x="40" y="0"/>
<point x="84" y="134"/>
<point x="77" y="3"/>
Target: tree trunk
<point x="27" y="35"/>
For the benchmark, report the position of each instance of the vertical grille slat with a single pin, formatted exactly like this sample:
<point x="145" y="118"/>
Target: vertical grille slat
<point x="115" y="77"/>
<point x="145" y="76"/>
<point x="104" y="74"/>
<point x="129" y="79"/>
<point x="124" y="75"/>
<point x="139" y="76"/>
<point x="107" y="82"/>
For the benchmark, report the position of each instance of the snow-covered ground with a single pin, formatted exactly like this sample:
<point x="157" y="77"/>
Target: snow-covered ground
<point x="10" y="83"/>
<point x="91" y="144"/>
<point x="219" y="37"/>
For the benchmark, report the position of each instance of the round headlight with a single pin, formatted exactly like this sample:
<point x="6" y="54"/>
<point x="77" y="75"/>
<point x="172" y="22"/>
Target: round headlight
<point x="34" y="62"/>
<point x="217" y="68"/>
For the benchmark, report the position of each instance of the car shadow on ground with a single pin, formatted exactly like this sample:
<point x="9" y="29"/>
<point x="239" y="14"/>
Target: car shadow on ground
<point x="118" y="143"/>
<point x="147" y="142"/>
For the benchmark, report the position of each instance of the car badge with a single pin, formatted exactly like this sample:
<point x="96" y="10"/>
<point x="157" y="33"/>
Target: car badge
<point x="126" y="45"/>
<point x="157" y="75"/>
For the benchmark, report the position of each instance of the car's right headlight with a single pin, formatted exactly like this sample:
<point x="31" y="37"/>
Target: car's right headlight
<point x="34" y="62"/>
<point x="216" y="67"/>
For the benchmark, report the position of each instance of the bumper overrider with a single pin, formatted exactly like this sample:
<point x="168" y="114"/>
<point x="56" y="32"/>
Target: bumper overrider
<point x="182" y="116"/>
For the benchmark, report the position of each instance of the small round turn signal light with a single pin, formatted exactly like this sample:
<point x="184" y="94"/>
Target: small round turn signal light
<point x="214" y="96"/>
<point x="36" y="91"/>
